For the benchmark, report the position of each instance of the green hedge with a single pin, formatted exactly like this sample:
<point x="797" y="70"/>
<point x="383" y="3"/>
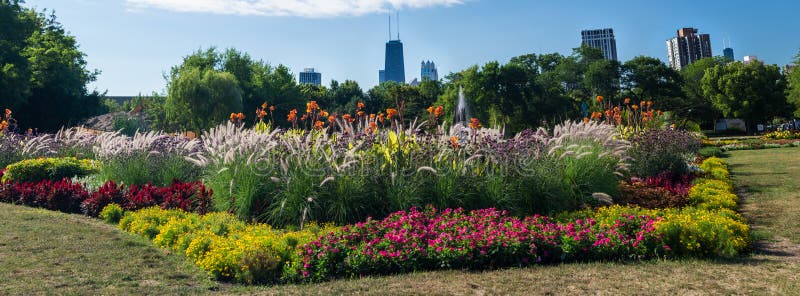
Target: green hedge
<point x="34" y="170"/>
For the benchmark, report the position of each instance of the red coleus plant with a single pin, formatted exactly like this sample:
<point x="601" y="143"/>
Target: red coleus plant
<point x="187" y="196"/>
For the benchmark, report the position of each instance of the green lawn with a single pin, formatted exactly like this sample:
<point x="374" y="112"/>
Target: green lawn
<point x="44" y="251"/>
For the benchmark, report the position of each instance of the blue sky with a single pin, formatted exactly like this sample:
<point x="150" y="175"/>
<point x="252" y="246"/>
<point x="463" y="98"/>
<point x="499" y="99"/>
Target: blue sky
<point x="133" y="42"/>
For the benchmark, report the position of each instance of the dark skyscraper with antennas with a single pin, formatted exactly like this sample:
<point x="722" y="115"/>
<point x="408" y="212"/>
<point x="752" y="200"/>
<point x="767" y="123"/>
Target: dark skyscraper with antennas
<point x="394" y="65"/>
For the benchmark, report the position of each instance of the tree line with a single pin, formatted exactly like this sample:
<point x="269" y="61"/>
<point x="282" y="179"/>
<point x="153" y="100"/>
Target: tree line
<point x="44" y="80"/>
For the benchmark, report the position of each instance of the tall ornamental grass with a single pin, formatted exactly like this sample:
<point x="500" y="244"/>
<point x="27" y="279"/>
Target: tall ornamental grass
<point x="289" y="177"/>
<point x="152" y="157"/>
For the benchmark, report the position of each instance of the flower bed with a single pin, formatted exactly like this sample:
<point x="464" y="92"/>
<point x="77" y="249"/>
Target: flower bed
<point x="481" y="239"/>
<point x="219" y="243"/>
<point x="71" y="197"/>
<point x="428" y="239"/>
<point x="411" y="241"/>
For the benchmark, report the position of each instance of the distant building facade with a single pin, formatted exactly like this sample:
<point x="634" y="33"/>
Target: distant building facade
<point x="428" y="71"/>
<point x="309" y="76"/>
<point x="788" y="69"/>
<point x="728" y="53"/>
<point x="688" y="47"/>
<point x="750" y="59"/>
<point x="602" y="39"/>
<point x="394" y="68"/>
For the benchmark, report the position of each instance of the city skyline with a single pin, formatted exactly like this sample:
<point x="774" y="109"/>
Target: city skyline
<point x="133" y="43"/>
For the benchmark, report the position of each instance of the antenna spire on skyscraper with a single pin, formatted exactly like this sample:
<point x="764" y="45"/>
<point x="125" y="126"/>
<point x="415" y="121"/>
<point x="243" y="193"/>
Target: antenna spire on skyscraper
<point x="398" y="25"/>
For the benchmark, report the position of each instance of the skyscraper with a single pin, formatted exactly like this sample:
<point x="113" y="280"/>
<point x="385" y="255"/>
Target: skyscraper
<point x="428" y="71"/>
<point x="688" y="47"/>
<point x="310" y="76"/>
<point x="728" y="53"/>
<point x="394" y="68"/>
<point x="602" y="39"/>
<point x="394" y="64"/>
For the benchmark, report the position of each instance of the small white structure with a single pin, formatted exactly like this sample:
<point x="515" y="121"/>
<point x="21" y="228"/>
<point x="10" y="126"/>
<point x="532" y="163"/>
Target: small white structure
<point x="750" y="58"/>
<point x="730" y="124"/>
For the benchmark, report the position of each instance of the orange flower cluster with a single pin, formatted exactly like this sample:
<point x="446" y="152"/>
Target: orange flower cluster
<point x="237" y="118"/>
<point x="436" y="111"/>
<point x="318" y="125"/>
<point x="636" y="115"/>
<point x="391" y="112"/>
<point x="311" y="107"/>
<point x="454" y="142"/>
<point x="261" y="111"/>
<point x="6" y="119"/>
<point x="292" y="117"/>
<point x="474" y="123"/>
<point x="348" y="118"/>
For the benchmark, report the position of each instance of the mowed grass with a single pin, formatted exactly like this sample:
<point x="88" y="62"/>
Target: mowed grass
<point x="43" y="251"/>
<point x="770" y="182"/>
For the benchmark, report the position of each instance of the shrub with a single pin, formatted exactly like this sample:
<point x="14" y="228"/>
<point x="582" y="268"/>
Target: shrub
<point x="63" y="195"/>
<point x="187" y="196"/>
<point x="219" y="243"/>
<point x="638" y="194"/>
<point x="715" y="168"/>
<point x="713" y="194"/>
<point x="657" y="151"/>
<point x="676" y="184"/>
<point x="112" y="213"/>
<point x="701" y="232"/>
<point x="146" y="222"/>
<point x="34" y="170"/>
<point x="711" y="152"/>
<point x="107" y="194"/>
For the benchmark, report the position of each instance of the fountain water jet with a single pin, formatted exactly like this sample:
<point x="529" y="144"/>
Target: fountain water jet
<point x="462" y="110"/>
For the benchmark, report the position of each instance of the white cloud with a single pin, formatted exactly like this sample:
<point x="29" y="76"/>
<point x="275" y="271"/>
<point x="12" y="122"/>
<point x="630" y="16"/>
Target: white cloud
<point x="301" y="8"/>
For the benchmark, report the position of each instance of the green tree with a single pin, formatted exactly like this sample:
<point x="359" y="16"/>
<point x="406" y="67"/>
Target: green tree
<point x="793" y="91"/>
<point x="257" y="81"/>
<point x="697" y="106"/>
<point x="202" y="98"/>
<point x="18" y="24"/>
<point x="344" y="98"/>
<point x="752" y="92"/>
<point x="646" y="78"/>
<point x="43" y="73"/>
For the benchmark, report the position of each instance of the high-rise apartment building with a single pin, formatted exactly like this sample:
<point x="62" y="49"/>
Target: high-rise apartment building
<point x="728" y="53"/>
<point x="602" y="39"/>
<point x="688" y="47"/>
<point x="428" y="71"/>
<point x="309" y="76"/>
<point x="394" y="68"/>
